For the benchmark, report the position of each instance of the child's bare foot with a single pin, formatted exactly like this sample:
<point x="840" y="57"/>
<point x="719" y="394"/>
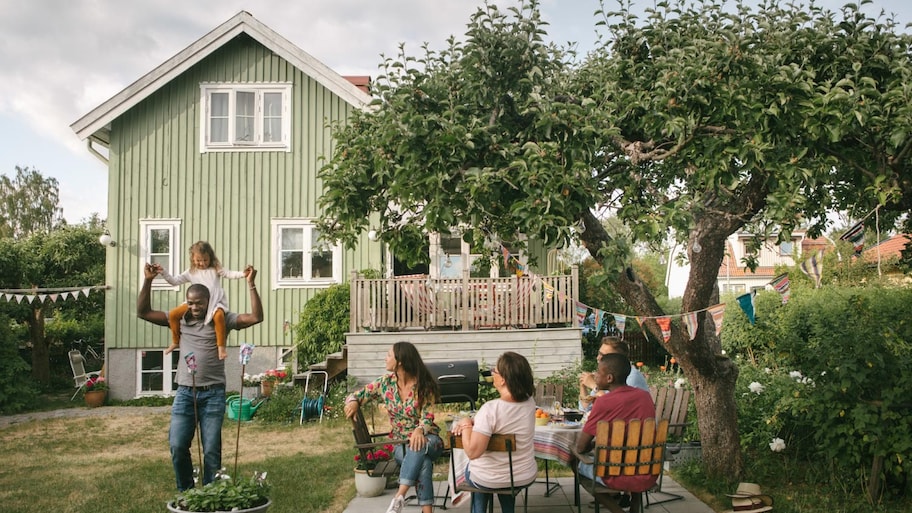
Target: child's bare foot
<point x="172" y="347"/>
<point x="223" y="353"/>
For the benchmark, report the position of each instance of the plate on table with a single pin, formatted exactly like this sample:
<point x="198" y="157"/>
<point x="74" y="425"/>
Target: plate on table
<point x="569" y="424"/>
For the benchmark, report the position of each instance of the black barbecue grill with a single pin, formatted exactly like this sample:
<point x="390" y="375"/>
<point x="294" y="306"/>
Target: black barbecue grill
<point x="457" y="380"/>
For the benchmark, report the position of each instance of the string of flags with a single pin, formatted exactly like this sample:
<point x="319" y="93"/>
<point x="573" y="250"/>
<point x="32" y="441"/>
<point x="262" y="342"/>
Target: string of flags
<point x="52" y="295"/>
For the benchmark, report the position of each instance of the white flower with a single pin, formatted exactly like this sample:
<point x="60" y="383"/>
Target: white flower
<point x="777" y="445"/>
<point x="767" y="370"/>
<point x="795" y="375"/>
<point x="680" y="382"/>
<point x="756" y="387"/>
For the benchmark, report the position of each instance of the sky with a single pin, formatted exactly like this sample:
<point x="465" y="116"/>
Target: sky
<point x="62" y="58"/>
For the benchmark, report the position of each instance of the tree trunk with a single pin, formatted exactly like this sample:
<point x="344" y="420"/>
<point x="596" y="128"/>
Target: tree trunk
<point x="41" y="361"/>
<point x="717" y="419"/>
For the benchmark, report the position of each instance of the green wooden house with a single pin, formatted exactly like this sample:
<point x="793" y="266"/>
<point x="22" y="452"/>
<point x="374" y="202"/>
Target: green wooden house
<point x="222" y="142"/>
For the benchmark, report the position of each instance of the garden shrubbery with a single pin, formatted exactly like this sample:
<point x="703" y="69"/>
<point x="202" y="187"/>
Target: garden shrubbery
<point x="827" y="374"/>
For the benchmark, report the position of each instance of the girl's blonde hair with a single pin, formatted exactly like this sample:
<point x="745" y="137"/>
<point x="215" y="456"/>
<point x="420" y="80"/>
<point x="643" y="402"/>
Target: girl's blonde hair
<point x="204" y="248"/>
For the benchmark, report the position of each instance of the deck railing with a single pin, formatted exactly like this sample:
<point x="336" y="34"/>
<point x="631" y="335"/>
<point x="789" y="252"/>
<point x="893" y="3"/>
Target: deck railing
<point x="417" y="301"/>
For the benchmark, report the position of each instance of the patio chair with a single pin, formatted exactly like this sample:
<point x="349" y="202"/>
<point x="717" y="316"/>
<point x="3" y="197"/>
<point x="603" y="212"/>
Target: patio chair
<point x="366" y="442"/>
<point x="624" y="448"/>
<point x="80" y="376"/>
<point x="499" y="443"/>
<point x="672" y="405"/>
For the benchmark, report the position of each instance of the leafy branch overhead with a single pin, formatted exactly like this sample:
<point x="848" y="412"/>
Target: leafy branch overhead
<point x="694" y="122"/>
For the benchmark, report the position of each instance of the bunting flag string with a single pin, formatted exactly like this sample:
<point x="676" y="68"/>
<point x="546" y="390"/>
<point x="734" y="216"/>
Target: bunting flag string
<point x="581" y="310"/>
<point x="28" y="296"/>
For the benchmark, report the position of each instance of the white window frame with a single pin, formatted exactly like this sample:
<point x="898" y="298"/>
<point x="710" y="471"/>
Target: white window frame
<point x="256" y="143"/>
<point x="169" y="376"/>
<point x="145" y="249"/>
<point x="307" y="225"/>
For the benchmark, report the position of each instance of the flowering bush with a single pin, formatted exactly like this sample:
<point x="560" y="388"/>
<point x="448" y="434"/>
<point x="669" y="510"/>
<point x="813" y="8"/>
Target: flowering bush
<point x="95" y="384"/>
<point x="374" y="457"/>
<point x="271" y="376"/>
<point x="276" y="375"/>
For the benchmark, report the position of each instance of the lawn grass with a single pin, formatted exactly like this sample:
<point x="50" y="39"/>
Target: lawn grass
<point x="121" y="464"/>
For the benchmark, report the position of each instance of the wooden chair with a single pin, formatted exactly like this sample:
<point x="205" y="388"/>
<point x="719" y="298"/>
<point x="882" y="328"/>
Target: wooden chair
<point x="624" y="448"/>
<point x="545" y="395"/>
<point x="497" y="442"/>
<point x="671" y="405"/>
<point x="365" y="442"/>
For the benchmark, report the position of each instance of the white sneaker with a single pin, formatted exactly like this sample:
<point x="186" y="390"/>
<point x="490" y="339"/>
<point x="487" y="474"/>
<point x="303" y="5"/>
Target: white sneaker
<point x="396" y="505"/>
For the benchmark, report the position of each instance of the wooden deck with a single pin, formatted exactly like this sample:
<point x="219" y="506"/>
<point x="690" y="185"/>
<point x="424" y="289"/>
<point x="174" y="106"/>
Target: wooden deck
<point x="417" y="301"/>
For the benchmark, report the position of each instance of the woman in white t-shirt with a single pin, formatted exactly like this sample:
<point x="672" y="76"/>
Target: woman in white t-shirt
<point x="513" y="413"/>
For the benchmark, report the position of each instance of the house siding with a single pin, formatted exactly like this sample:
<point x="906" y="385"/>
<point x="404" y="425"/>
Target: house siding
<point x="227" y="198"/>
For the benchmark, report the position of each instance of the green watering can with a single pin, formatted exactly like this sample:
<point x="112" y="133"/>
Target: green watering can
<point x="238" y="407"/>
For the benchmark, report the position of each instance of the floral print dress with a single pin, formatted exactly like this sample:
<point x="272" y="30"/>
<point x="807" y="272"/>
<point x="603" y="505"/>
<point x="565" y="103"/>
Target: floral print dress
<point x="403" y="412"/>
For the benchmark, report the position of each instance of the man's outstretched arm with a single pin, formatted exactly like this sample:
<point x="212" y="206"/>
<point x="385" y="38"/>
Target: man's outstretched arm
<point x="246" y="320"/>
<point x="144" y="301"/>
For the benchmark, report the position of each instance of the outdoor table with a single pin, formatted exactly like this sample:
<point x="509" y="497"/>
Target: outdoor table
<point x="554" y="442"/>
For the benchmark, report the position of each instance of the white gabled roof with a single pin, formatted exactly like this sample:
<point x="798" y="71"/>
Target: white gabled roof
<point x="99" y="119"/>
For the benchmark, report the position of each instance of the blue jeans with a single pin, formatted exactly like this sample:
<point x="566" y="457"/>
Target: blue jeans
<point x="480" y="500"/>
<point x="210" y="405"/>
<point x="416" y="468"/>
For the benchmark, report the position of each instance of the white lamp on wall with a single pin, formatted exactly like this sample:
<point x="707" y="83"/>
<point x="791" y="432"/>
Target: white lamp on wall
<point x="106" y="239"/>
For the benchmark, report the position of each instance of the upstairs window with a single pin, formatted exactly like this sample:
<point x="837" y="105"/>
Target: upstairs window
<point x="302" y="258"/>
<point x="245" y="117"/>
<point x="786" y="249"/>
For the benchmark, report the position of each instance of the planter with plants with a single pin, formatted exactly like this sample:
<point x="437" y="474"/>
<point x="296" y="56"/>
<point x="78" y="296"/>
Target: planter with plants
<point x="95" y="391"/>
<point x="225" y="495"/>
<point x="366" y="484"/>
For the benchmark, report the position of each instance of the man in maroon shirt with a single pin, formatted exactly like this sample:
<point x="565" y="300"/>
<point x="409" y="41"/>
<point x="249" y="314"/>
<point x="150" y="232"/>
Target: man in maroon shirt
<point x="621" y="402"/>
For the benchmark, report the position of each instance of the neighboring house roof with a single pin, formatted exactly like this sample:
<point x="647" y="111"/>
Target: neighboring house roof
<point x="888" y="249"/>
<point x="97" y="122"/>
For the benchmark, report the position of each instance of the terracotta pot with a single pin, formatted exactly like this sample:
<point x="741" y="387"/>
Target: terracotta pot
<point x="95" y="398"/>
<point x="266" y="388"/>
<point x="368" y="486"/>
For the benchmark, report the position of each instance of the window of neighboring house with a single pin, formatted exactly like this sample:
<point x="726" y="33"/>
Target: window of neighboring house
<point x="455" y="254"/>
<point x="157" y="372"/>
<point x="733" y="287"/>
<point x="786" y="248"/>
<point x="245" y="117"/>
<point x="301" y="258"/>
<point x="159" y="246"/>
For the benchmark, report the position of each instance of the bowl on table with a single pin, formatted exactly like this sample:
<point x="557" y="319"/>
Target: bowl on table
<point x="542" y="421"/>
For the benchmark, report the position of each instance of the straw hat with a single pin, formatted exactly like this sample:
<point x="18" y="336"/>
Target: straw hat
<point x="748" y="499"/>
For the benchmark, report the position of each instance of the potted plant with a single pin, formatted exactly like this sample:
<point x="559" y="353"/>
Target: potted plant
<point x="269" y="380"/>
<point x="95" y="390"/>
<point x="367" y="485"/>
<point x="225" y="495"/>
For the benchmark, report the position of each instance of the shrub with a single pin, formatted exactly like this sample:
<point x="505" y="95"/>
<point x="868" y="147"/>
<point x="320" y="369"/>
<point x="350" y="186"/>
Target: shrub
<point x="323" y="324"/>
<point x="17" y="390"/>
<point x="848" y="350"/>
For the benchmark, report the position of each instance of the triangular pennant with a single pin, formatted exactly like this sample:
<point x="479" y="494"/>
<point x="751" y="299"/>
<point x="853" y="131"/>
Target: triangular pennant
<point x="85" y="291"/>
<point x="856" y="236"/>
<point x="717" y="312"/>
<point x="813" y="268"/>
<point x="506" y="256"/>
<point x="599" y="320"/>
<point x="747" y="304"/>
<point x="42" y="297"/>
<point x="782" y="286"/>
<point x="549" y="291"/>
<point x="664" y="322"/>
<point x="619" y="322"/>
<point x="54" y="297"/>
<point x="29" y="298"/>
<point x="690" y="321"/>
<point x="581" y="310"/>
<point x="640" y="321"/>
